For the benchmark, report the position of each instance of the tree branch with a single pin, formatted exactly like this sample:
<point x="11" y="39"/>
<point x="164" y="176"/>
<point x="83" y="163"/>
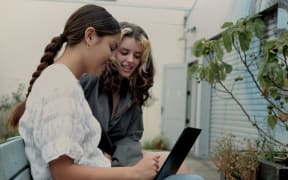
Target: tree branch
<point x="253" y="77"/>
<point x="248" y="116"/>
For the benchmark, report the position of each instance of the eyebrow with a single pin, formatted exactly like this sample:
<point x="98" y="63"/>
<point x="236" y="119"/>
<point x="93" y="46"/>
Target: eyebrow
<point x="125" y="49"/>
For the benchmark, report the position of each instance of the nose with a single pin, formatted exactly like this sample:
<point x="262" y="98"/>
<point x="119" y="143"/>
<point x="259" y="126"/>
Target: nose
<point x="130" y="58"/>
<point x="112" y="57"/>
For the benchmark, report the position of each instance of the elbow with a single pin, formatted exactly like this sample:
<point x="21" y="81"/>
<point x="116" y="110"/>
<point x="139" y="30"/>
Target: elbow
<point x="59" y="168"/>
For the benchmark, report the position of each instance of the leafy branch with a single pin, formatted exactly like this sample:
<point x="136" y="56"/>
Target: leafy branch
<point x="272" y="77"/>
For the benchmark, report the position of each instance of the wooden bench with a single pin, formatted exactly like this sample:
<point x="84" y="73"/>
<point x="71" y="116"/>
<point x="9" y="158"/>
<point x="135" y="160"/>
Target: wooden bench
<point x="13" y="162"/>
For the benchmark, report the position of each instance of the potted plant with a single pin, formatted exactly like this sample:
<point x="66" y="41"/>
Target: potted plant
<point x="159" y="142"/>
<point x="233" y="161"/>
<point x="271" y="80"/>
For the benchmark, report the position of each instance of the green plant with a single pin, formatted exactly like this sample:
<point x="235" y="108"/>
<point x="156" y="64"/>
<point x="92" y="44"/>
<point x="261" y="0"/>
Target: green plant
<point x="160" y="142"/>
<point x="234" y="162"/>
<point x="6" y="103"/>
<point x="271" y="62"/>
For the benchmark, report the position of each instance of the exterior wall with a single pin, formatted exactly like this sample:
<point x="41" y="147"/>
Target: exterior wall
<point x="205" y="20"/>
<point x="28" y="26"/>
<point x="224" y="115"/>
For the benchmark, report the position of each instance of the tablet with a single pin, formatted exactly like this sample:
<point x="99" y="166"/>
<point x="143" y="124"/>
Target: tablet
<point x="178" y="152"/>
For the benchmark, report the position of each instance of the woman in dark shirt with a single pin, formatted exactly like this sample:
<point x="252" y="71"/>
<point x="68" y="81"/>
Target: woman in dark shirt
<point x="117" y="97"/>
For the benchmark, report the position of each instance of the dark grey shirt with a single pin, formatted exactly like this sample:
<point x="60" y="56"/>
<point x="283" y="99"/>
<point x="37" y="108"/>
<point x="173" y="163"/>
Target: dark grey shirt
<point x="125" y="128"/>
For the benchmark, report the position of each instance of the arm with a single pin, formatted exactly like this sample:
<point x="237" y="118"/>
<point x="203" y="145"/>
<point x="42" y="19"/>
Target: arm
<point x="63" y="168"/>
<point x="60" y="138"/>
<point x="128" y="150"/>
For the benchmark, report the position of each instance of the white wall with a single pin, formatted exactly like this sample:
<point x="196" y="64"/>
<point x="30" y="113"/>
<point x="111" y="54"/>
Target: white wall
<point x="206" y="19"/>
<point x="27" y="27"/>
<point x="208" y="16"/>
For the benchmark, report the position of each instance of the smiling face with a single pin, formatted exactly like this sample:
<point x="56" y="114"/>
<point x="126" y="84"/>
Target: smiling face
<point x="128" y="56"/>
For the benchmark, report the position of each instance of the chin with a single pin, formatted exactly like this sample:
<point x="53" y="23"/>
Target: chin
<point x="98" y="72"/>
<point x="124" y="75"/>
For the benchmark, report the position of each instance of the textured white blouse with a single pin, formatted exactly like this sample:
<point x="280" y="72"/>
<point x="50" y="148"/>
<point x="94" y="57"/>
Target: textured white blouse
<point x="58" y="121"/>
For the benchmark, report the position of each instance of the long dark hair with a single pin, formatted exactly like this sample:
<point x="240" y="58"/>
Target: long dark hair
<point x="142" y="78"/>
<point x="74" y="30"/>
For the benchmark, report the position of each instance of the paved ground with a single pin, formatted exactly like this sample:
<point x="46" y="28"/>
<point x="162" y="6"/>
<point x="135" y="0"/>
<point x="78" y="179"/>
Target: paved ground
<point x="204" y="168"/>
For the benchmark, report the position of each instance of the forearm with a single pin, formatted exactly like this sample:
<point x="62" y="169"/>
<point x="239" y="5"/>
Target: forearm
<point x="92" y="173"/>
<point x="63" y="168"/>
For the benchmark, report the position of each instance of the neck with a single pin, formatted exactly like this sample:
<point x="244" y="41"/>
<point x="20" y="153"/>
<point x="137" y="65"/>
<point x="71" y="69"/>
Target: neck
<point x="72" y="59"/>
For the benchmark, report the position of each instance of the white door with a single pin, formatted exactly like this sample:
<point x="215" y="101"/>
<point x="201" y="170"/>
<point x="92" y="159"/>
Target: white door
<point x="174" y="95"/>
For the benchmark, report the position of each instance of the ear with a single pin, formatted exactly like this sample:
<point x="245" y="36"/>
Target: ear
<point x="90" y="36"/>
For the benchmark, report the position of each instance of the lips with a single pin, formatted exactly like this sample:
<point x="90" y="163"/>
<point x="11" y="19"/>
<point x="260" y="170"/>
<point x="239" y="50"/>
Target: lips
<point x="127" y="68"/>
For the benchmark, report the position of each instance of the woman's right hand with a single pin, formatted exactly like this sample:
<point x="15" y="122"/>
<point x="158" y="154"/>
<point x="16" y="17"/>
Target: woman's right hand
<point x="147" y="168"/>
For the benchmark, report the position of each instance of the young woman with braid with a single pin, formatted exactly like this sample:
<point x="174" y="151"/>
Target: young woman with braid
<point x="60" y="132"/>
<point x="117" y="96"/>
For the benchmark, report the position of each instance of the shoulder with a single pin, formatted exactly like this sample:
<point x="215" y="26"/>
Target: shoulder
<point x="56" y="79"/>
<point x="88" y="83"/>
<point x="88" y="80"/>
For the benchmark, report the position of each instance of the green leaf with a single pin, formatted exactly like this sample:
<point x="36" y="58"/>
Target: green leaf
<point x="272" y="121"/>
<point x="194" y="68"/>
<point x="286" y="127"/>
<point x="261" y="71"/>
<point x="259" y="27"/>
<point x="210" y="77"/>
<point x="198" y="48"/>
<point x="212" y="71"/>
<point x="277" y="97"/>
<point x="222" y="76"/>
<point x="227" y="40"/>
<point x="273" y="91"/>
<point x="239" y="78"/>
<point x="283" y="35"/>
<point x="221" y="72"/>
<point x="268" y="46"/>
<point x="202" y="73"/>
<point x="227" y="24"/>
<point x="214" y="66"/>
<point x="270" y="107"/>
<point x="192" y="71"/>
<point x="249" y="18"/>
<point x="244" y="40"/>
<point x="218" y="50"/>
<point x="228" y="67"/>
<point x="240" y="22"/>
